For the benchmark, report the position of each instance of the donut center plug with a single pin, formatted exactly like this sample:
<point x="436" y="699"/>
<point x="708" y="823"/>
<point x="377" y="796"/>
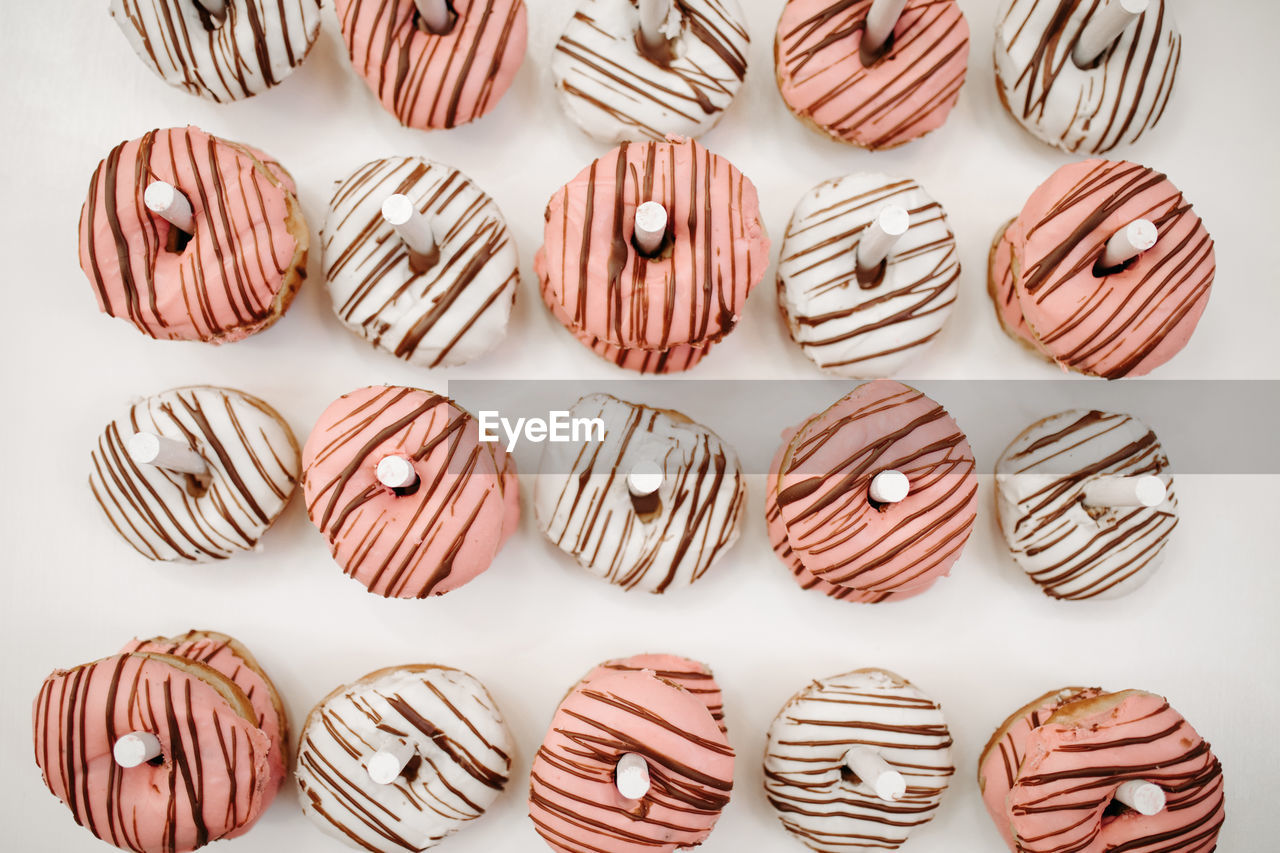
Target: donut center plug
<point x="435" y="17"/>
<point x="651" y="233"/>
<point x="213" y="13"/>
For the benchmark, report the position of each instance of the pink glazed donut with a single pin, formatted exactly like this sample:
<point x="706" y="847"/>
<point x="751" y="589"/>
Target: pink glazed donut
<point x="1108" y="323"/>
<point x="210" y="779"/>
<point x="901" y="95"/>
<point x="688" y="295"/>
<point x="824" y="511"/>
<point x="420" y="541"/>
<point x="233" y="277"/>
<point x="693" y="676"/>
<point x="435" y="80"/>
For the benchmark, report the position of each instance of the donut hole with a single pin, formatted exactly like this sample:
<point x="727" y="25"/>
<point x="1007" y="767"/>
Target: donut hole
<point x="871" y="58"/>
<point x="176" y="241"/>
<point x="848" y="777"/>
<point x="1115" y="809"/>
<point x="1100" y="271"/>
<point x="665" y="249"/>
<point x="421" y="22"/>
<point x="158" y="761"/>
<point x="872" y="278"/>
<point x="198" y="485"/>
<point x="208" y="20"/>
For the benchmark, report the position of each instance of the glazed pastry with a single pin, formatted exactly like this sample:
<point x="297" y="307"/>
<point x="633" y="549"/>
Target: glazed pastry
<point x="1113" y="99"/>
<point x="613" y="717"/>
<point x="1072" y="547"/>
<point x="587" y="504"/>
<point x="688" y="294"/>
<point x="432" y="80"/>
<point x="1056" y="776"/>
<point x="440" y="530"/>
<point x="865" y="322"/>
<point x="617" y="87"/>
<point x="246" y="465"/>
<point x="873" y="99"/>
<point x="230" y="658"/>
<point x="232" y="276"/>
<point x="1053" y="293"/>
<point x="212" y="765"/>
<point x="435" y="310"/>
<point x="435" y="733"/>
<point x="808" y="777"/>
<point x="253" y="45"/>
<point x="825" y="519"/>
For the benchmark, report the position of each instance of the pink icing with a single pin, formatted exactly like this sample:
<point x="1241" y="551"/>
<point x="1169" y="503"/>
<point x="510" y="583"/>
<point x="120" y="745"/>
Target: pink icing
<point x="902" y="96"/>
<point x="689" y="674"/>
<point x="224" y="284"/>
<point x="416" y="545"/>
<point x="573" y="801"/>
<point x="822" y="492"/>
<point x="597" y="283"/>
<point x="215" y="766"/>
<point x="431" y="81"/>
<point x="1125" y="323"/>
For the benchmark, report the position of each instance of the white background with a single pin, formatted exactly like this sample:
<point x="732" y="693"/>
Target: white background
<point x="1203" y="632"/>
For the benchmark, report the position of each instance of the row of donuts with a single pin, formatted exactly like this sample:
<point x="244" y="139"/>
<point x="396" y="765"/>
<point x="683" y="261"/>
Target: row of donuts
<point x="648" y="257"/>
<point x="179" y="741"/>
<point x="1082" y="76"/>
<point x="869" y="500"/>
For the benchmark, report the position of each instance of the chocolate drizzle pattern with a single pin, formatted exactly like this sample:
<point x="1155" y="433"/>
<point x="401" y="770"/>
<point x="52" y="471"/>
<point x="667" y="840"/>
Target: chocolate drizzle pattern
<point x="615" y="91"/>
<point x="415" y="545"/>
<point x="444" y="314"/>
<point x="253" y="464"/>
<point x="257" y="45"/>
<point x="435" y="80"/>
<point x="210" y="781"/>
<point x="573" y="800"/>
<point x="1084" y="110"/>
<point x="584" y="506"/>
<point x="820" y="801"/>
<point x="462" y="761"/>
<point x="1073" y="551"/>
<point x="865" y="329"/>
<point x="906" y="93"/>
<point x="687" y="674"/>
<point x="240" y="269"/>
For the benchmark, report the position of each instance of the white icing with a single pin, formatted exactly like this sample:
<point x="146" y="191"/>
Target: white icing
<point x="433" y="318"/>
<point x="224" y="63"/>
<point x="616" y="94"/>
<point x="160" y="512"/>
<point x="456" y="731"/>
<point x="583" y="504"/>
<point x="1071" y="551"/>
<point x="844" y="328"/>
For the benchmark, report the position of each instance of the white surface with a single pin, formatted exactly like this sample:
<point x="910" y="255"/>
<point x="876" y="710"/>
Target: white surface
<point x="982" y="642"/>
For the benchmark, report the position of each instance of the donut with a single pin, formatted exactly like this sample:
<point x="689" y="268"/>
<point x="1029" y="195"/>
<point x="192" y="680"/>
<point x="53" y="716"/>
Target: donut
<point x="1072" y="550"/>
<point x="819" y="799"/>
<point x="574" y="801"/>
<point x="445" y="530"/>
<point x="255" y="46"/>
<point x="1050" y="775"/>
<point x="1084" y="110"/>
<point x="458" y="758"/>
<point x="690" y="675"/>
<point x="252" y="462"/>
<point x="902" y="94"/>
<point x="210" y="779"/>
<point x="852" y="323"/>
<point x="233" y="277"/>
<point x="431" y="80"/>
<point x="823" y="519"/>
<point x="1116" y="322"/>
<point x="618" y="88"/>
<point x="432" y="312"/>
<point x="584" y="505"/>
<point x="230" y="658"/>
<point x="691" y="294"/>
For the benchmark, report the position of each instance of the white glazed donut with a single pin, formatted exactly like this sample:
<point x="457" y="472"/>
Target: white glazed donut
<point x="616" y="88"/>
<point x="1071" y="550"/>
<point x="253" y="48"/>
<point x="462" y="752"/>
<point x="819" y="799"/>
<point x="865" y="326"/>
<point x="585" y="506"/>
<point x="253" y="466"/>
<point x="434" y="310"/>
<point x="1084" y="110"/>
